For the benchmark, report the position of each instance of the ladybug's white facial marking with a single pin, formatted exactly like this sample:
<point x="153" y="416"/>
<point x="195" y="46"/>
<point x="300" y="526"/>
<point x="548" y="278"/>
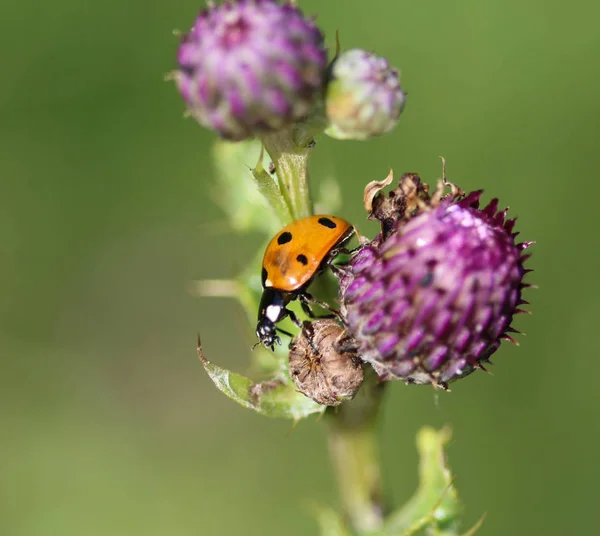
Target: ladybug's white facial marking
<point x="273" y="313"/>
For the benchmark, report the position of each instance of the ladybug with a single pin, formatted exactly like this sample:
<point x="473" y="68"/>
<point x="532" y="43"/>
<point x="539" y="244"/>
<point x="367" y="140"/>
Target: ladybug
<point x="295" y="255"/>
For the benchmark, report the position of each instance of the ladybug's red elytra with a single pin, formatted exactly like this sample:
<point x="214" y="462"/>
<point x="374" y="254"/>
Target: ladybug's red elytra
<point x="295" y="255"/>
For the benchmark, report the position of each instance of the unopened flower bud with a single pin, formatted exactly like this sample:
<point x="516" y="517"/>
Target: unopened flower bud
<point x="364" y="97"/>
<point x="323" y="365"/>
<point x="250" y="66"/>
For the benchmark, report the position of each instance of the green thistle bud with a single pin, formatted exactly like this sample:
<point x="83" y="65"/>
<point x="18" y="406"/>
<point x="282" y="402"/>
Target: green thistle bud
<point x="364" y="97"/>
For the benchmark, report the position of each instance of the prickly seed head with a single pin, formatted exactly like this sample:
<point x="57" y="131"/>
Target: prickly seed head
<point x="364" y="97"/>
<point x="249" y="66"/>
<point x="430" y="299"/>
<point x="322" y="368"/>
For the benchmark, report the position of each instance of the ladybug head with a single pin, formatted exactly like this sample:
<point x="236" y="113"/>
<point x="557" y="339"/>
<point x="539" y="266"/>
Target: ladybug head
<point x="266" y="333"/>
<point x="272" y="310"/>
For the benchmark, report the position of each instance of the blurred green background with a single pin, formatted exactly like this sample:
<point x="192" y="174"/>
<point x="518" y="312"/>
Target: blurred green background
<point x="109" y="423"/>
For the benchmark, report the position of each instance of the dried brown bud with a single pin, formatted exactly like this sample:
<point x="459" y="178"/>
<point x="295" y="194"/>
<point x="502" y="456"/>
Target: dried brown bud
<point x="404" y="202"/>
<point x="321" y="372"/>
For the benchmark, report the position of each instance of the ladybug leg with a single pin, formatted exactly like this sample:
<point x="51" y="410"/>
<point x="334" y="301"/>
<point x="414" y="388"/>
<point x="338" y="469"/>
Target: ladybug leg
<point x="309" y="334"/>
<point x="307" y="299"/>
<point x="285" y="332"/>
<point x="337" y="250"/>
<point x="306" y="308"/>
<point x="363" y="241"/>
<point x="294" y="318"/>
<point x="345" y="251"/>
<point x="339" y="270"/>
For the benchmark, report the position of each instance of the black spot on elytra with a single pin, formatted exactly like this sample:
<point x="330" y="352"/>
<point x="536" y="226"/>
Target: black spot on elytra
<point x="302" y="259"/>
<point x="263" y="276"/>
<point x="326" y="222"/>
<point x="284" y="238"/>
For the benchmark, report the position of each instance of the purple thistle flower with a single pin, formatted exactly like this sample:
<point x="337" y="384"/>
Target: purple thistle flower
<point x="364" y="97"/>
<point x="430" y="299"/>
<point x="249" y="66"/>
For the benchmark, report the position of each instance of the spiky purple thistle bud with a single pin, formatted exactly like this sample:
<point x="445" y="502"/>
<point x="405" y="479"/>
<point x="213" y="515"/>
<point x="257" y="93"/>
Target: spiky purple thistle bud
<point x="364" y="97"/>
<point x="430" y="299"/>
<point x="249" y="66"/>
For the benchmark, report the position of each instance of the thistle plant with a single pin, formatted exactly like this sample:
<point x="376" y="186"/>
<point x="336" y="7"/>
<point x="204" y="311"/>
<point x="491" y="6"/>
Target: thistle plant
<point x="427" y="301"/>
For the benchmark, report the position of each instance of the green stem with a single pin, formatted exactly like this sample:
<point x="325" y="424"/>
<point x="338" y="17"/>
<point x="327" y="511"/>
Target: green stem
<point x="290" y="158"/>
<point x="351" y="427"/>
<point x="272" y="192"/>
<point x="354" y="453"/>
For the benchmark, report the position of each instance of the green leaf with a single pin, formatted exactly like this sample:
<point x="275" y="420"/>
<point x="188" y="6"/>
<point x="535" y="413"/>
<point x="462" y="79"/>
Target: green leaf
<point x="247" y="289"/>
<point x="248" y="201"/>
<point x="330" y="522"/>
<point x="271" y="191"/>
<point x="435" y="504"/>
<point x="329" y="196"/>
<point x="273" y="398"/>
<point x="291" y="160"/>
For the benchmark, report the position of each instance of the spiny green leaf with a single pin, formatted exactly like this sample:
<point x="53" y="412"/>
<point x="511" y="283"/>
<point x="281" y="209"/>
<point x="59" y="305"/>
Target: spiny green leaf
<point x="246" y="288"/>
<point x="273" y="398"/>
<point x="329" y="196"/>
<point x="271" y="191"/>
<point x="247" y="201"/>
<point x="435" y="504"/>
<point x="330" y="522"/>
